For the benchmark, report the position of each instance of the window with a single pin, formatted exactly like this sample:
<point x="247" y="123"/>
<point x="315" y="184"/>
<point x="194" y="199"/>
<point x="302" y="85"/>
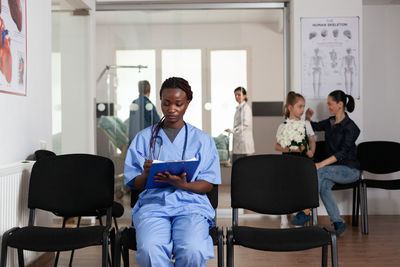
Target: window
<point x="127" y="78"/>
<point x="228" y="71"/>
<point x="186" y="63"/>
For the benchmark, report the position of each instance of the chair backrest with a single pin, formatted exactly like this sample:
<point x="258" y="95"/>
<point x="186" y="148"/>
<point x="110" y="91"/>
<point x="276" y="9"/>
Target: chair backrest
<point x="72" y="185"/>
<point x="42" y="153"/>
<point x="212" y="196"/>
<point x="320" y="151"/>
<point x="379" y="157"/>
<point x="274" y="184"/>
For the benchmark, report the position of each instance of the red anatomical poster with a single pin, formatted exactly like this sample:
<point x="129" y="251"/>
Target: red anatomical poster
<point x="13" y="46"/>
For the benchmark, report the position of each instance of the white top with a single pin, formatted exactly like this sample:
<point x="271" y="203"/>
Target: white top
<point x="309" y="129"/>
<point x="243" y="142"/>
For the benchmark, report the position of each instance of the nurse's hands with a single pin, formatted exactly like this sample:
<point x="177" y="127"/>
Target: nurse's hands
<point x="179" y="181"/>
<point x="146" y="167"/>
<point x="140" y="181"/>
<point x="228" y="131"/>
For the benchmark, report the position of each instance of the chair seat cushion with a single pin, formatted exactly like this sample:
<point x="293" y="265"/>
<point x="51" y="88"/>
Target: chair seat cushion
<point x="129" y="237"/>
<point x="291" y="239"/>
<point x="383" y="184"/>
<point x="345" y="186"/>
<point x="48" y="239"/>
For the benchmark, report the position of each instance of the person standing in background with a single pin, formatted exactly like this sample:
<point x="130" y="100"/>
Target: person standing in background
<point x="243" y="142"/>
<point x="142" y="112"/>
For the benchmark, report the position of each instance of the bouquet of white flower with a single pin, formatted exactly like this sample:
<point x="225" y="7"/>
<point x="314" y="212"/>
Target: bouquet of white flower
<point x="293" y="135"/>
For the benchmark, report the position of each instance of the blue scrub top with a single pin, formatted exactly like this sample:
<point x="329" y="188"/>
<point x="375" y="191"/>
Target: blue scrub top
<point x="171" y="201"/>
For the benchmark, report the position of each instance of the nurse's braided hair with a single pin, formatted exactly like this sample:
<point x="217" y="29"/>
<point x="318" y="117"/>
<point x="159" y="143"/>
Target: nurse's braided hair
<point x="173" y="82"/>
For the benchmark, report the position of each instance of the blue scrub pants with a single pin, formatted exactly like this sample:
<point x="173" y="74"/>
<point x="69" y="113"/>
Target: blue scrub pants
<point x="186" y="237"/>
<point x="327" y="177"/>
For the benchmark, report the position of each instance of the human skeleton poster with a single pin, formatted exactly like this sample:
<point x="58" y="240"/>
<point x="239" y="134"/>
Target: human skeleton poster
<point x="330" y="56"/>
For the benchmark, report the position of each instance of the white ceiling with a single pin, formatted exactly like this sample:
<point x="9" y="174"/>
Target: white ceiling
<point x="271" y="16"/>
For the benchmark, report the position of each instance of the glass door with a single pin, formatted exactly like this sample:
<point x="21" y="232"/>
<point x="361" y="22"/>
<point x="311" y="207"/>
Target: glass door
<point x="228" y="70"/>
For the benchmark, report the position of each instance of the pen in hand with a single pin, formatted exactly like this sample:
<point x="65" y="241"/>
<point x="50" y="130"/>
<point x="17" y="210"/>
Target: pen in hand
<point x="141" y="154"/>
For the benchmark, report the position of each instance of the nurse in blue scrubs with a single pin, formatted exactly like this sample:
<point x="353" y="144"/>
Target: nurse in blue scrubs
<point x="173" y="222"/>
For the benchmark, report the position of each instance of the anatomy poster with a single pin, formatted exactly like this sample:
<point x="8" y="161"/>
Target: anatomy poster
<point x="13" y="46"/>
<point x="330" y="57"/>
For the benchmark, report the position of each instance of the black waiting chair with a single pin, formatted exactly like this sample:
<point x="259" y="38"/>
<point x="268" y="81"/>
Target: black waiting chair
<point x="69" y="186"/>
<point x="117" y="209"/>
<point x="377" y="157"/>
<point x="42" y="153"/>
<point x="320" y="155"/>
<point x="277" y="184"/>
<point x="126" y="238"/>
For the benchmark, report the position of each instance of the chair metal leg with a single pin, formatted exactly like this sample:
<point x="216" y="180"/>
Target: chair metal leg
<point x="101" y="223"/>
<point x="112" y="241"/>
<point x="324" y="256"/>
<point x="358" y="204"/>
<point x="124" y="246"/>
<point x="353" y="214"/>
<point x="4" y="246"/>
<point x="334" y="251"/>
<point x="364" y="218"/>
<point x="3" y="260"/>
<point x="73" y="251"/>
<point x="58" y="252"/>
<point x="117" y="250"/>
<point x="105" y="250"/>
<point x="21" y="262"/>
<point x="116" y="224"/>
<point x="125" y="256"/>
<point x="220" y="247"/>
<point x="229" y="248"/>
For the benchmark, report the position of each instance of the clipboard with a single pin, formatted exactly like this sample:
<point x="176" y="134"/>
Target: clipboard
<point x="175" y="167"/>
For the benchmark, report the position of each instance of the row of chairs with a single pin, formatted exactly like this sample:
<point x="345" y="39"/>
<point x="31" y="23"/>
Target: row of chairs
<point x="377" y="158"/>
<point x="290" y="185"/>
<point x="83" y="185"/>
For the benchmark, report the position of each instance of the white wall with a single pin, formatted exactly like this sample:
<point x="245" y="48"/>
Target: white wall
<point x="73" y="37"/>
<point x="382" y="91"/>
<point x="27" y="119"/>
<point x="381" y="72"/>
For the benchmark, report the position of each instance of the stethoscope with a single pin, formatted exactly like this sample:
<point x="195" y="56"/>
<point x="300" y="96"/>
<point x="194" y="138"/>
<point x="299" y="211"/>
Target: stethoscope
<point x="184" y="145"/>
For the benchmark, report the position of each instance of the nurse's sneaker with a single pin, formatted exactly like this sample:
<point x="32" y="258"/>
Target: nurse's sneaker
<point x="339" y="227"/>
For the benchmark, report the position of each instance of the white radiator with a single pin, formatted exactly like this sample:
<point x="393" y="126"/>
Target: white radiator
<point x="14" y="183"/>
